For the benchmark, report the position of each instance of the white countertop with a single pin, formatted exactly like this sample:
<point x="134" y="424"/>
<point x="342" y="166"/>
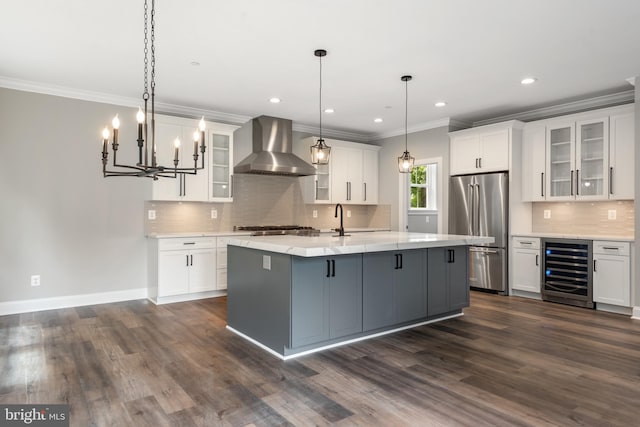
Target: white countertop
<point x="379" y="241"/>
<point x="198" y="234"/>
<point x="576" y="236"/>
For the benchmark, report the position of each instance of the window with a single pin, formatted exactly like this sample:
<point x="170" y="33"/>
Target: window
<point x="423" y="187"/>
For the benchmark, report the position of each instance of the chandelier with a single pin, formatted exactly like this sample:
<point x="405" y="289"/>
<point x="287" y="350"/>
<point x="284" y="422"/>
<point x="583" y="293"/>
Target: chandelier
<point x="147" y="165"/>
<point x="320" y="151"/>
<point x="406" y="161"/>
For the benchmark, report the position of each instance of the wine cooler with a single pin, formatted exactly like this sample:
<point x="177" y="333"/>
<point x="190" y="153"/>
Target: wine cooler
<point x="567" y="275"/>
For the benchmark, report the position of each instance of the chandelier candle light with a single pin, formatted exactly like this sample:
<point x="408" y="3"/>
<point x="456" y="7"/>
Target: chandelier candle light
<point x="320" y="151"/>
<point x="144" y="167"/>
<point x="405" y="162"/>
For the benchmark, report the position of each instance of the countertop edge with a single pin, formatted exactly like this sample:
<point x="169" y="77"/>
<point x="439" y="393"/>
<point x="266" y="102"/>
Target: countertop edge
<point x="575" y="236"/>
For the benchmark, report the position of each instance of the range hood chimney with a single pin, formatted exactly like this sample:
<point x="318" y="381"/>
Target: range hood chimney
<point x="272" y="142"/>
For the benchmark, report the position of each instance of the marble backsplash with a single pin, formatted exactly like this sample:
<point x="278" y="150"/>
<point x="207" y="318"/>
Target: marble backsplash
<point x="590" y="218"/>
<point x="260" y="200"/>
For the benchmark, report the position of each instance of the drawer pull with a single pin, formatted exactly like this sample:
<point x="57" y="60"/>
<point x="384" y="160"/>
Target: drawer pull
<point x="189" y="243"/>
<point x="611" y="248"/>
<point x="526" y="243"/>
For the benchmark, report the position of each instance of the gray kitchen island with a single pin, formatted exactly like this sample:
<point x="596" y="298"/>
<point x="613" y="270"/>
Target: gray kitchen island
<point x="293" y="295"/>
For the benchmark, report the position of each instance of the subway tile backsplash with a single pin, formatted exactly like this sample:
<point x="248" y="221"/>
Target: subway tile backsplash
<point x="591" y="218"/>
<point x="259" y="200"/>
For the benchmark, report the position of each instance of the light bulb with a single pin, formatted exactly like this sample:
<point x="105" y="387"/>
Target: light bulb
<point x="320" y="155"/>
<point x="176" y="143"/>
<point x="105" y="133"/>
<point x="116" y="122"/>
<point x="196" y="136"/>
<point x="405" y="164"/>
<point x="201" y="125"/>
<point x="140" y="115"/>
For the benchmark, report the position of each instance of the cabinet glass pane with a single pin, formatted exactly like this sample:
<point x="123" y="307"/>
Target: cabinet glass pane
<point x="592" y="158"/>
<point x="220" y="173"/>
<point x="323" y="183"/>
<point x="560" y="162"/>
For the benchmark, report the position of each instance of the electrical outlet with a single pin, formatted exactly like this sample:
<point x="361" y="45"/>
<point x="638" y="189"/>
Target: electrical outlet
<point x="315" y="213"/>
<point x="348" y="213"/>
<point x="266" y="262"/>
<point x="151" y="214"/>
<point x="547" y="214"/>
<point x="612" y="214"/>
<point x="214" y="214"/>
<point x="426" y="219"/>
<point x="35" y="280"/>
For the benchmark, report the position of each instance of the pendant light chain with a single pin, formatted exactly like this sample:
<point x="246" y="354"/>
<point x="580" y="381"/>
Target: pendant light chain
<point x="406" y="111"/>
<point x="320" y="104"/>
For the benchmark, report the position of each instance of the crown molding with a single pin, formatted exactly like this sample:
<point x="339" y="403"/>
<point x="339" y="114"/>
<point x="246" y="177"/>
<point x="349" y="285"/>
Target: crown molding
<point x="597" y="102"/>
<point x="124" y="101"/>
<point x="412" y="129"/>
<point x="632" y="81"/>
<point x="332" y="133"/>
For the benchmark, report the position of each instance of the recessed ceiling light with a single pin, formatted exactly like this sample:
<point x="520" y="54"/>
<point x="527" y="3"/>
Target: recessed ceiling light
<point x="195" y="63"/>
<point x="377" y="120"/>
<point x="440" y="104"/>
<point x="528" y="80"/>
<point x="329" y="110"/>
<point x="274" y="100"/>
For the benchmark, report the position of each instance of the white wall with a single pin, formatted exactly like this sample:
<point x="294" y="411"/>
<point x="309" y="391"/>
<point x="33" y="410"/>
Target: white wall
<point x="59" y="217"/>
<point x="636" y="260"/>
<point x="422" y="145"/>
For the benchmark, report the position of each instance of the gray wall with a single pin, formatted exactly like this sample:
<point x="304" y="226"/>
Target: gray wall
<point x="59" y="217"/>
<point x="422" y="145"/>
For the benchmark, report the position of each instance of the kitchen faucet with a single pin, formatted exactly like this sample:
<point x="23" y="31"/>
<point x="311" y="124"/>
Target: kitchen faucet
<point x="341" y="229"/>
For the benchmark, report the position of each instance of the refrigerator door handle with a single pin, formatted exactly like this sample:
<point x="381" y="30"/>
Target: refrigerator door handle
<point x="471" y="208"/>
<point x="477" y="208"/>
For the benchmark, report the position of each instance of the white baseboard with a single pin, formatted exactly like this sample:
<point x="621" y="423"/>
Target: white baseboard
<point x="187" y="297"/>
<point x="41" y="304"/>
<point x="636" y="313"/>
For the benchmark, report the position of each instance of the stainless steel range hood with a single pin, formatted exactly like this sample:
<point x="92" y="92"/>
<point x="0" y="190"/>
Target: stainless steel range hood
<point x="272" y="141"/>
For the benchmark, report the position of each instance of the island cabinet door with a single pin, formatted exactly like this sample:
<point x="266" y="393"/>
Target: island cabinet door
<point x="326" y="298"/>
<point x="394" y="288"/>
<point x="447" y="279"/>
<point x="410" y="286"/>
<point x="378" y="308"/>
<point x="309" y="300"/>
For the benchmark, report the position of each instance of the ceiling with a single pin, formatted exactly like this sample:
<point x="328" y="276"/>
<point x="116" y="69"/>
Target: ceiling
<point x="471" y="54"/>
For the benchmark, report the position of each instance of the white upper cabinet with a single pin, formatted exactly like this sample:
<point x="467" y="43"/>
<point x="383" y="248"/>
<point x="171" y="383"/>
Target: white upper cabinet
<point x="585" y="156"/>
<point x="621" y="156"/>
<point x="561" y="147"/>
<point x="213" y="183"/>
<point x="533" y="163"/>
<point x="482" y="149"/>
<point x="351" y="177"/>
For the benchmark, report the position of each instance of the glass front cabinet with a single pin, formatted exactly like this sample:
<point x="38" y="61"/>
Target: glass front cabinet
<point x="577" y="161"/>
<point x="220" y="162"/>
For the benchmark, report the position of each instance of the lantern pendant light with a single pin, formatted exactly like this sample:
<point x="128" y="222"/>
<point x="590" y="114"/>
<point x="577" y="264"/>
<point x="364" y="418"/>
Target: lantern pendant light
<point x="406" y="161"/>
<point x="320" y="151"/>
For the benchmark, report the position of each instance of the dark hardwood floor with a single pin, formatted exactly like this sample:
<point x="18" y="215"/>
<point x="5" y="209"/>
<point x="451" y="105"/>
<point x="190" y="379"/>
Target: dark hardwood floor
<point x="509" y="361"/>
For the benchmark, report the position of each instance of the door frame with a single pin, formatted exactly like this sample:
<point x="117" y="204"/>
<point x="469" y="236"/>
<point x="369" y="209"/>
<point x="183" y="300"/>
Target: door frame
<point x="403" y="194"/>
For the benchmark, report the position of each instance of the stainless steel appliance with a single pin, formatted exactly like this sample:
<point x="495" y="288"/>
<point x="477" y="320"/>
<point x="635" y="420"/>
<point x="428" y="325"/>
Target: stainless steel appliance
<point x="479" y="206"/>
<point x="276" y="230"/>
<point x="271" y="139"/>
<point x="567" y="274"/>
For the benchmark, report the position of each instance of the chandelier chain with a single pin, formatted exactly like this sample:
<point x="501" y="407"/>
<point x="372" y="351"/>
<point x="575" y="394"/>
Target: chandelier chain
<point x="153" y="45"/>
<point x="406" y="111"/>
<point x="145" y="94"/>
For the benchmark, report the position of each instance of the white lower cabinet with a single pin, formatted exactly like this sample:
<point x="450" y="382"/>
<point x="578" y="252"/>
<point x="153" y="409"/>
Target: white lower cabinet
<point x="611" y="273"/>
<point x="526" y="264"/>
<point x="182" y="268"/>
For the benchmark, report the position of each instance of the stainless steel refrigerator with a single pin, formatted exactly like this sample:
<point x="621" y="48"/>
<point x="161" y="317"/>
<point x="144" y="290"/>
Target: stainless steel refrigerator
<point x="479" y="206"/>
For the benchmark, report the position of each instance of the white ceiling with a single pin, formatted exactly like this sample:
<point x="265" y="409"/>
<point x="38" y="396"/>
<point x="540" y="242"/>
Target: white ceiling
<point x="471" y="53"/>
